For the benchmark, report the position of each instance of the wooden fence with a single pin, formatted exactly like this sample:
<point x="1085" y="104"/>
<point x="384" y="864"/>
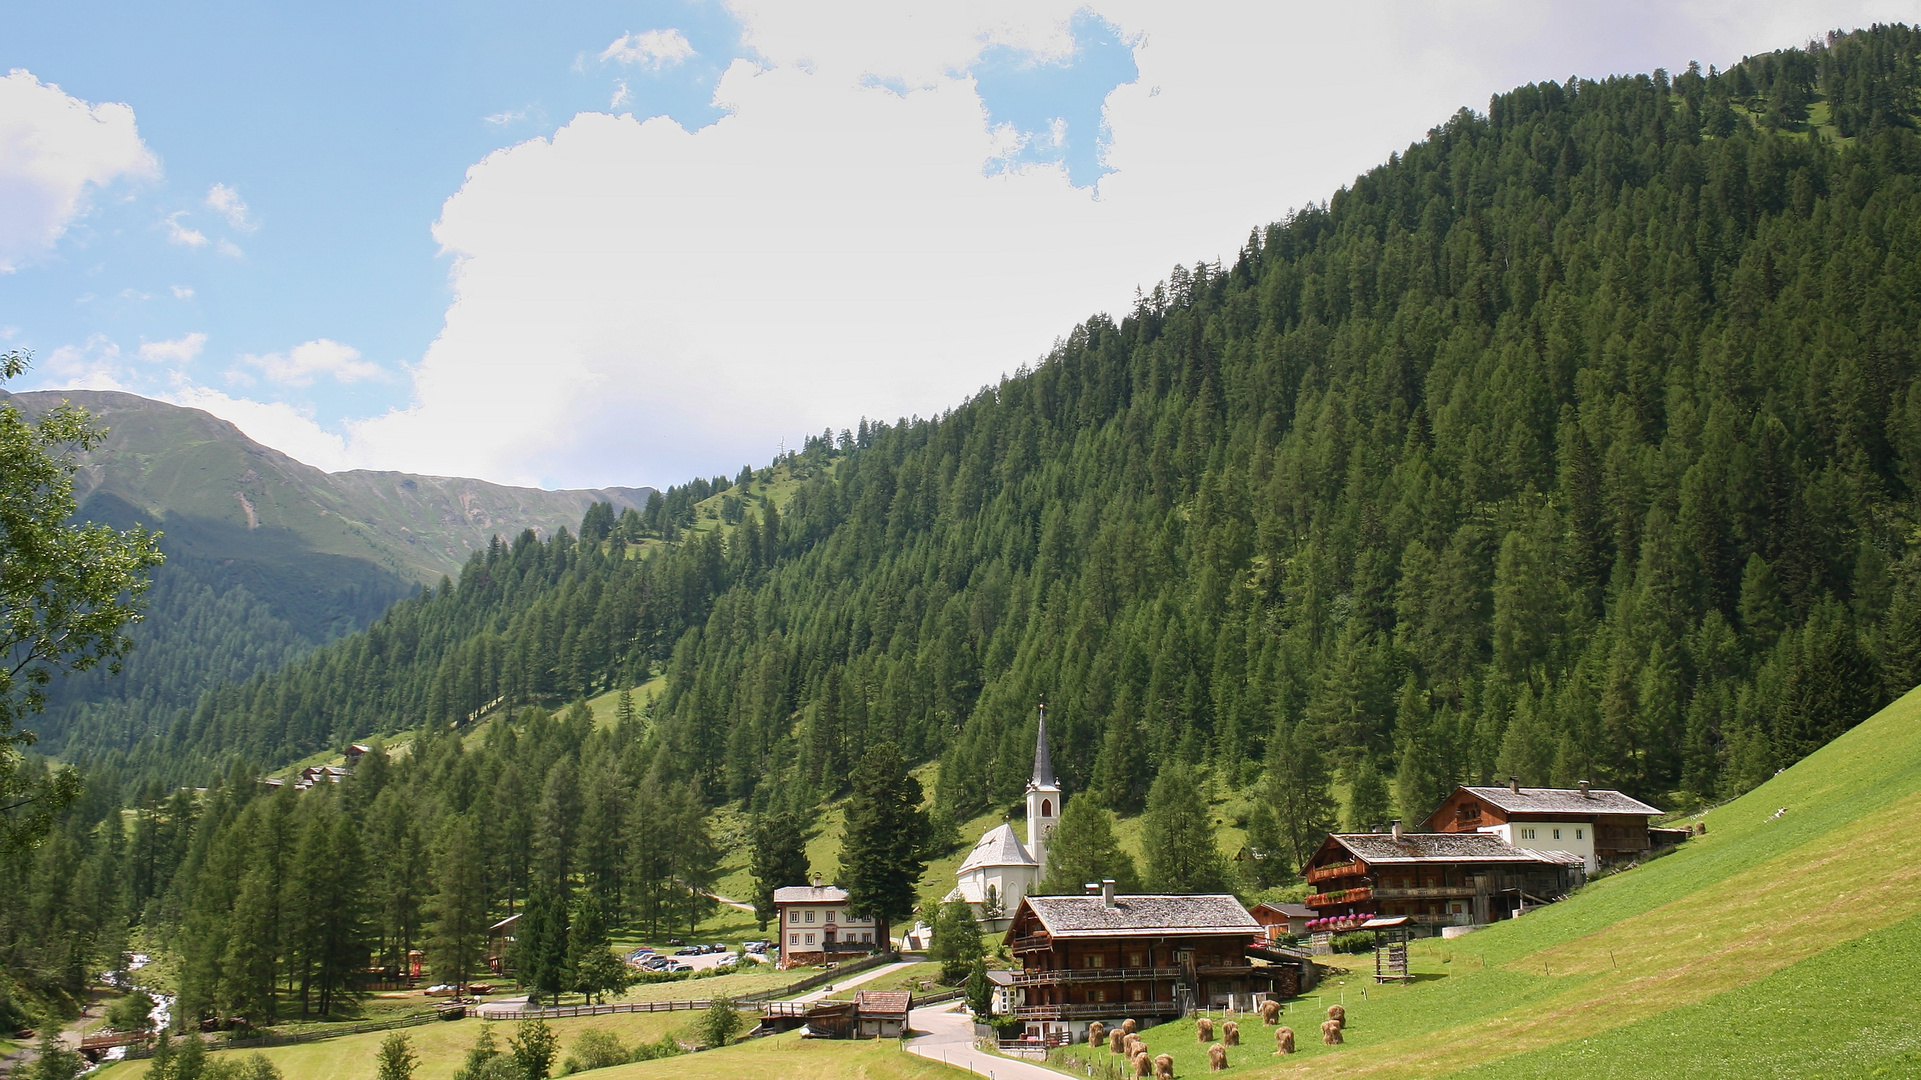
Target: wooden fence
<point x="289" y="1038"/>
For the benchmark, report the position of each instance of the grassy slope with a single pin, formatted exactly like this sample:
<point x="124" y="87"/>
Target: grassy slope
<point x="1778" y="946"/>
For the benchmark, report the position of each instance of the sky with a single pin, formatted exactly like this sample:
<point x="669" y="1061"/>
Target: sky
<point x="584" y="244"/>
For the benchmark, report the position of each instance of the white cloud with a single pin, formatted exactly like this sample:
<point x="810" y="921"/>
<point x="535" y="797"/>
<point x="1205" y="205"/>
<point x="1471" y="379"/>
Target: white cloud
<point x="506" y="117"/>
<point x="184" y="235"/>
<point x="178" y="351"/>
<point x="94" y="365"/>
<point x="653" y="49"/>
<point x="637" y="303"/>
<point x="622" y="95"/>
<point x="53" y="149"/>
<point x="183" y="292"/>
<point x="228" y="248"/>
<point x="284" y="427"/>
<point x="300" y="365"/>
<point x="228" y="203"/>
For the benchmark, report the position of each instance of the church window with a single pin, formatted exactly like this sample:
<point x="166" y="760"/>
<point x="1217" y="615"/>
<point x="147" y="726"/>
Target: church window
<point x="1047" y="808"/>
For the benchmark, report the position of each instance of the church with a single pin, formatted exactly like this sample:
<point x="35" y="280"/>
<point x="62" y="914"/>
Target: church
<point x="1000" y="871"/>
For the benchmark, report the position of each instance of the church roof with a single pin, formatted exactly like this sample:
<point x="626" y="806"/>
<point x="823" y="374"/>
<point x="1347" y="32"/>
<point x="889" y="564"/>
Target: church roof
<point x="998" y="847"/>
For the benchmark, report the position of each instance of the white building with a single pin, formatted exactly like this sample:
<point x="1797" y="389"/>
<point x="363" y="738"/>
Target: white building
<point x="816" y="925"/>
<point x="1001" y="870"/>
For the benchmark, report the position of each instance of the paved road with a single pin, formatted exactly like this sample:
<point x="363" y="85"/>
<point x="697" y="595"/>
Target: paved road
<point x="949" y="1039"/>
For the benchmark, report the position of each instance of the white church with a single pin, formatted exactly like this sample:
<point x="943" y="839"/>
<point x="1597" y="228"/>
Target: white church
<point x="1001" y="870"/>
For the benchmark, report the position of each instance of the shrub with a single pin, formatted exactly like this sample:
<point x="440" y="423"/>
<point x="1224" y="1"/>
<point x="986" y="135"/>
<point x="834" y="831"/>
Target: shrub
<point x="133" y="1012"/>
<point x="596" y="1048"/>
<point x="718" y="1027"/>
<point x="1360" y="941"/>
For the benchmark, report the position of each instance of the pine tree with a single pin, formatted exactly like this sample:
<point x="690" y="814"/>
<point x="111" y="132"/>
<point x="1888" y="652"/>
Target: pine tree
<point x="1297" y="788"/>
<point x="880" y="862"/>
<point x="540" y="946"/>
<point x="396" y="1058"/>
<point x="1177" y="836"/>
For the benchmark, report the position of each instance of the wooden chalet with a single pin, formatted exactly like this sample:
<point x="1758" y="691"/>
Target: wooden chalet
<point x="1434" y="879"/>
<point x="1282" y="920"/>
<point x="1108" y="957"/>
<point x="1598" y="824"/>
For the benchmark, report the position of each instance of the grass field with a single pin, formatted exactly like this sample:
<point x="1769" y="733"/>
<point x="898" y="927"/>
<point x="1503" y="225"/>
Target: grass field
<point x="919" y="978"/>
<point x="442" y="1048"/>
<point x="788" y="1057"/>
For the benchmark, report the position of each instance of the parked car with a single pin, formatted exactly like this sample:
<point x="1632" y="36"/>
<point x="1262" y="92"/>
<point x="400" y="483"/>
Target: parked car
<point x="675" y="941"/>
<point x="680" y="967"/>
<point x="691" y="950"/>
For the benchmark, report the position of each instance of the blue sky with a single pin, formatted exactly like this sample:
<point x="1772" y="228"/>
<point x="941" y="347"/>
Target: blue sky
<point x="590" y="243"/>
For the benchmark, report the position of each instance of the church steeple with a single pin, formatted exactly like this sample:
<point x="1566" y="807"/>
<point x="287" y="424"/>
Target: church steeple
<point x="1043" y="800"/>
<point x="1043" y="761"/>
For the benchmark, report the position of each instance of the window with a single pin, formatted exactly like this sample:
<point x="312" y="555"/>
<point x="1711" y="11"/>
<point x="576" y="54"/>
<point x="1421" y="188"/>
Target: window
<point x="810" y="939"/>
<point x="1526" y="834"/>
<point x="1468" y="811"/>
<point x="1047" y="808"/>
<point x="1093" y="961"/>
<point x="868" y="936"/>
<point x="1134" y="960"/>
<point x="810" y="916"/>
<point x="1577" y="834"/>
<point x="1557" y="834"/>
<point x="1457" y="909"/>
<point x="1139" y="994"/>
<point x="1097" y="995"/>
<point x="793" y="939"/>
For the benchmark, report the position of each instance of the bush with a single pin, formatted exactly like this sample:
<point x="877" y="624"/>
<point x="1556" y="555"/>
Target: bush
<point x="133" y="1012"/>
<point x="596" y="1048"/>
<point x="718" y="1026"/>
<point x="1359" y="941"/>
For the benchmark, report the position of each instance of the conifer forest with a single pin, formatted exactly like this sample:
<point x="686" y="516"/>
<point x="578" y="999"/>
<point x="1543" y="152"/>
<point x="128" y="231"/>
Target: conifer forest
<point x="1580" y="440"/>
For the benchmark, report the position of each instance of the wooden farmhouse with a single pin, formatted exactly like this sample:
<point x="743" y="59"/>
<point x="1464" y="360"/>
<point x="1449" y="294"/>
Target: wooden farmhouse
<point x="1595" y="823"/>
<point x="1108" y="957"/>
<point x="816" y="925"/>
<point x="1434" y="879"/>
<point x="1282" y="920"/>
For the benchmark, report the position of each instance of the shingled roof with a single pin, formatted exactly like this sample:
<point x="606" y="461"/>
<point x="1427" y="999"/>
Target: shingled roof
<point x="998" y="847"/>
<point x="1561" y="801"/>
<point x="1384" y="848"/>
<point x="883" y="1002"/>
<point x="1089" y="916"/>
<point x="810" y="894"/>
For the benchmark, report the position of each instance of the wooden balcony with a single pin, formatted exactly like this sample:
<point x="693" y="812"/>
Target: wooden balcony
<point x="1097" y="1010"/>
<point x="1033" y="943"/>
<point x="1223" y="971"/>
<point x="1334" y="870"/>
<point x="1343" y="896"/>
<point x="1057" y="976"/>
<point x="1430" y="892"/>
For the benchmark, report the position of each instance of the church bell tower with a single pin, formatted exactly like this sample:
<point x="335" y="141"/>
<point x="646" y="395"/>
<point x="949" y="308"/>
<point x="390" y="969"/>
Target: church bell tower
<point x="1043" y="801"/>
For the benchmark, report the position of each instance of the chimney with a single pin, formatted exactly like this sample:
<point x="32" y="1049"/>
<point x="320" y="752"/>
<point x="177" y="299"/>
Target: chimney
<point x="816" y="879"/>
<point x="1107" y="892"/>
<point x="1397" y="830"/>
<point x="1514" y="784"/>
<point x="1584" y="790"/>
<point x="1093" y="888"/>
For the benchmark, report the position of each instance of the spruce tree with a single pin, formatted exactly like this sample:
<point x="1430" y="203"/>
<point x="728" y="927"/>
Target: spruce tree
<point x="957" y="940"/>
<point x="1177" y="835"/>
<point x="880" y="862"/>
<point x="1083" y="849"/>
<point x="1297" y="788"/>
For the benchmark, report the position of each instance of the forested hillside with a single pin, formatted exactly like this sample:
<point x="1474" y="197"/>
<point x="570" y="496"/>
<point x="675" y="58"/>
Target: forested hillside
<point x="1579" y="441"/>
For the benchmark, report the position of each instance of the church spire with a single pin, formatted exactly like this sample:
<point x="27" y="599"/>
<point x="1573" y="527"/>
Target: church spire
<point x="1043" y="761"/>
